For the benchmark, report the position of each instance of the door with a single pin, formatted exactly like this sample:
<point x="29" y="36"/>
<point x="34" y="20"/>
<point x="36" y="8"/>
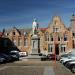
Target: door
<point x="57" y="49"/>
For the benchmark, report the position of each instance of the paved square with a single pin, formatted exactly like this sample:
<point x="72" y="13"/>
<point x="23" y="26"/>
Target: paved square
<point x="34" y="68"/>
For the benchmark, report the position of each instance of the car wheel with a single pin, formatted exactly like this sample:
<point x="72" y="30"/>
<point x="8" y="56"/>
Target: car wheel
<point x="73" y="69"/>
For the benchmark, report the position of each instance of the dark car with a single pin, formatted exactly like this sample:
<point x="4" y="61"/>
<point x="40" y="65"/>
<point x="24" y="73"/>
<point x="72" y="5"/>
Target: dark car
<point x="71" y="65"/>
<point x="73" y="68"/>
<point x="51" y="56"/>
<point x="15" y="56"/>
<point x="6" y="57"/>
<point x="44" y="58"/>
<point x="2" y="59"/>
<point x="68" y="63"/>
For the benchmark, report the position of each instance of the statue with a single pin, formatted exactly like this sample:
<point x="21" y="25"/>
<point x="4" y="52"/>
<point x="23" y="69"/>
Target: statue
<point x="35" y="27"/>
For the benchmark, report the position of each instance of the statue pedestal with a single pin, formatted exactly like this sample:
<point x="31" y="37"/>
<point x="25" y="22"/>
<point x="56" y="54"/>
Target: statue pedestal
<point x="35" y="43"/>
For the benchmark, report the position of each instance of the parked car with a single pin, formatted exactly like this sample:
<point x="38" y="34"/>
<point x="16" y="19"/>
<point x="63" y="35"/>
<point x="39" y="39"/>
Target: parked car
<point x="44" y="58"/>
<point x="64" y="55"/>
<point x="51" y="56"/>
<point x="14" y="51"/>
<point x="71" y="66"/>
<point x="69" y="57"/>
<point x="2" y="60"/>
<point x="68" y="63"/>
<point x="14" y="56"/>
<point x="23" y="54"/>
<point x="6" y="57"/>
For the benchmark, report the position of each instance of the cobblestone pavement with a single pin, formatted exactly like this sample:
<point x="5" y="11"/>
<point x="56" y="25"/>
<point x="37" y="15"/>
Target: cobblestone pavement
<point x="34" y="68"/>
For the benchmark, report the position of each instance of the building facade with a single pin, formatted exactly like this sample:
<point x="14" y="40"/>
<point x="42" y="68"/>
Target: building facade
<point x="56" y="38"/>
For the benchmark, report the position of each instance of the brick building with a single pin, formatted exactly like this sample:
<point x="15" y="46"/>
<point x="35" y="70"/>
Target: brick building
<point x="55" y="38"/>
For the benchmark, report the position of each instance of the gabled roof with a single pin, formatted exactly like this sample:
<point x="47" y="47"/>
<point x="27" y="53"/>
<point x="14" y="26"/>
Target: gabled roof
<point x="28" y="30"/>
<point x="20" y="31"/>
<point x="55" y="21"/>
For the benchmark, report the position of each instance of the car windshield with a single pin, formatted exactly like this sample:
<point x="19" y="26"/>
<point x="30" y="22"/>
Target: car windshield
<point x="65" y="55"/>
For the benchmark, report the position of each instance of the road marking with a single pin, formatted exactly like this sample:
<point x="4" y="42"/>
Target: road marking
<point x="4" y="67"/>
<point x="48" y="71"/>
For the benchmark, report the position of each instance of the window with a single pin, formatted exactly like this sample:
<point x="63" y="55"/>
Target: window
<point x="25" y="33"/>
<point x="63" y="48"/>
<point x="46" y="37"/>
<point x="58" y="38"/>
<point x="13" y="33"/>
<point x="19" y="42"/>
<point x="73" y="34"/>
<point x="65" y="37"/>
<point x="51" y="38"/>
<point x="25" y="41"/>
<point x="50" y="48"/>
<point x="55" y="29"/>
<point x="73" y="43"/>
<point x="14" y="42"/>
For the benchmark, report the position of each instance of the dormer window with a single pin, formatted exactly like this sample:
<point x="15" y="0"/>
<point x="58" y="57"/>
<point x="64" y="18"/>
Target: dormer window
<point x="25" y="33"/>
<point x="13" y="33"/>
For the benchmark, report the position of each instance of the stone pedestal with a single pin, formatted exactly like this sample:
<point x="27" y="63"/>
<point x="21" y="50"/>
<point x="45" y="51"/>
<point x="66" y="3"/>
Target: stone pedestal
<point x="35" y="43"/>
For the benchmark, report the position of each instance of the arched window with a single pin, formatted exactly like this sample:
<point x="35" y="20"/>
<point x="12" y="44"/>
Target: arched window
<point x="51" y="37"/>
<point x="14" y="43"/>
<point x="19" y="41"/>
<point x="59" y="37"/>
<point x="65" y="37"/>
<point x="25" y="41"/>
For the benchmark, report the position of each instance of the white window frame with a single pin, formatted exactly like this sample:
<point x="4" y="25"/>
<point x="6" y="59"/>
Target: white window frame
<point x="14" y="42"/>
<point x="51" y="48"/>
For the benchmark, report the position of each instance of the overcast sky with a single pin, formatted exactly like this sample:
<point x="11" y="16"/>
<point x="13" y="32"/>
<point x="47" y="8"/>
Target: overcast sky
<point x="20" y="13"/>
